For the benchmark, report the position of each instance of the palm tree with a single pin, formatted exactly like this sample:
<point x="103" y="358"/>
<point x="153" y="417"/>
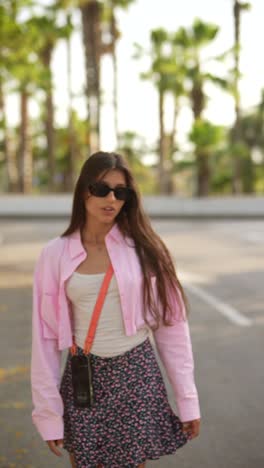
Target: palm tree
<point x="20" y="44"/>
<point x="92" y="40"/>
<point x="238" y="7"/>
<point x="207" y="139"/>
<point x="158" y="38"/>
<point x="7" y="35"/>
<point x="189" y="42"/>
<point x="110" y="26"/>
<point x="28" y="75"/>
<point x="96" y="43"/>
<point x="71" y="128"/>
<point x="50" y="34"/>
<point x="166" y="74"/>
<point x="251" y="126"/>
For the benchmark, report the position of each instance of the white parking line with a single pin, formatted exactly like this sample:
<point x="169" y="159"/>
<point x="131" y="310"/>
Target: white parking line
<point x="225" y="309"/>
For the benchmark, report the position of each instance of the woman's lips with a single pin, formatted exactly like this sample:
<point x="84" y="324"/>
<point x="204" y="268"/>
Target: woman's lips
<point x="108" y="211"/>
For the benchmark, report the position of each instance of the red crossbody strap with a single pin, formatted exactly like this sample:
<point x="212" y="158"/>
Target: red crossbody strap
<point x="97" y="310"/>
<point x="96" y="313"/>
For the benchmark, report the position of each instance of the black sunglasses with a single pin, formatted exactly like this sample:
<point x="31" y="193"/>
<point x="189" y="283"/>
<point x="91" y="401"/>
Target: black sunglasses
<point x="101" y="189"/>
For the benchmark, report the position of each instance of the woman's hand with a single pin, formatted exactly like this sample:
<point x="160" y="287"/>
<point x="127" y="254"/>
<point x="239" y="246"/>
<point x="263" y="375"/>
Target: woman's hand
<point x="53" y="444"/>
<point x="193" y="427"/>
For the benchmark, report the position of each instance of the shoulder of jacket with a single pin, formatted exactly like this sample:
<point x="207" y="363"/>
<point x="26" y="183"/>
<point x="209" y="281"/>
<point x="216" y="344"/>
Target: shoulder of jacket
<point x="49" y="261"/>
<point x="52" y="251"/>
<point x="54" y="246"/>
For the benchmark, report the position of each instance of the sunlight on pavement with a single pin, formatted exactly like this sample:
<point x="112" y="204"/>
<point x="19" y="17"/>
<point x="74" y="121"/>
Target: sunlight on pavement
<point x="12" y="371"/>
<point x="14" y="405"/>
<point x="12" y="280"/>
<point x="14" y="255"/>
<point x="17" y="265"/>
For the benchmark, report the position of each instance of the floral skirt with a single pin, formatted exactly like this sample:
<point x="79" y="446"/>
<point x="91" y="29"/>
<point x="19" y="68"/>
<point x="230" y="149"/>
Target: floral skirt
<point x="131" y="420"/>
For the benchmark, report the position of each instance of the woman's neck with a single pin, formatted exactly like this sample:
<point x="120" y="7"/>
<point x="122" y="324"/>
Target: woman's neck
<point x="95" y="233"/>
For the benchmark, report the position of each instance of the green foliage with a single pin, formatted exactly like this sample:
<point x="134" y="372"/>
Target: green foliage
<point x="177" y="68"/>
<point x="123" y="3"/>
<point x="239" y="150"/>
<point x="62" y="154"/>
<point x="252" y="128"/>
<point x="207" y="139"/>
<point x="182" y="165"/>
<point x="259" y="183"/>
<point x="221" y="170"/>
<point x="165" y="73"/>
<point x="206" y="135"/>
<point x="203" y="32"/>
<point x="221" y="182"/>
<point x="133" y="147"/>
<point x="244" y="6"/>
<point x="20" y="42"/>
<point x="198" y="35"/>
<point x="158" y="38"/>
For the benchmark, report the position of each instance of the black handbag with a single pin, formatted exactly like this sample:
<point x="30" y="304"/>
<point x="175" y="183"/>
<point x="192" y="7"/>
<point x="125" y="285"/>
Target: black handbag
<point x="82" y="381"/>
<point x="81" y="365"/>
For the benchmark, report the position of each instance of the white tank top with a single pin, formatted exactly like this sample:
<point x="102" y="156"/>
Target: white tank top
<point x="110" y="338"/>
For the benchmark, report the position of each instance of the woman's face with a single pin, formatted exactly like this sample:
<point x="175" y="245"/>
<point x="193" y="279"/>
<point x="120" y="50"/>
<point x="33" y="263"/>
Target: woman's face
<point x="105" y="209"/>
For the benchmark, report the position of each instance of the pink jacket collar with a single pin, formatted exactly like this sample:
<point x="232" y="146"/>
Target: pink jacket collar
<point x="75" y="243"/>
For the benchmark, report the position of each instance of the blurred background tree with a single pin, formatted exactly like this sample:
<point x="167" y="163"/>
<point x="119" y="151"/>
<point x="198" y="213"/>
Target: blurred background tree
<point x="40" y="155"/>
<point x="189" y="43"/>
<point x="100" y="34"/>
<point x="167" y="76"/>
<point x="238" y="151"/>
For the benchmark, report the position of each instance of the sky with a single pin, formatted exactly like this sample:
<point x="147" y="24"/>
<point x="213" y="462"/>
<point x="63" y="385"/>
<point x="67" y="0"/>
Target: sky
<point x="138" y="99"/>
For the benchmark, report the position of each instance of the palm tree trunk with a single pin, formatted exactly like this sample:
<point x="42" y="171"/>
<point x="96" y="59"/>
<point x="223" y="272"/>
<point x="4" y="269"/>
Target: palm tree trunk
<point x="236" y="163"/>
<point x="202" y="162"/>
<point x="50" y="138"/>
<point x="9" y="154"/>
<point x="162" y="149"/>
<point x="90" y="13"/>
<point x="203" y="175"/>
<point x="49" y="116"/>
<point x="115" y="97"/>
<point x="70" y="112"/>
<point x="114" y="36"/>
<point x="248" y="174"/>
<point x="198" y="99"/>
<point x="174" y="123"/>
<point x="172" y="143"/>
<point x="25" y="150"/>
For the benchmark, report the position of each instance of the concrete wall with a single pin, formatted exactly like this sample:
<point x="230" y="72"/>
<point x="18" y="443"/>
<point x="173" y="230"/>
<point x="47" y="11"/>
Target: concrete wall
<point x="59" y="206"/>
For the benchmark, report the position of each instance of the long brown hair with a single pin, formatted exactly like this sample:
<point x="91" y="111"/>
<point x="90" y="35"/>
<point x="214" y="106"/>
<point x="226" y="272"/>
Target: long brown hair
<point x="153" y="254"/>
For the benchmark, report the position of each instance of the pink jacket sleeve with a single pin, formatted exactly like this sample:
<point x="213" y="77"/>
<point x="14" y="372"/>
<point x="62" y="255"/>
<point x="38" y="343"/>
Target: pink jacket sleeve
<point x="47" y="413"/>
<point x="175" y="349"/>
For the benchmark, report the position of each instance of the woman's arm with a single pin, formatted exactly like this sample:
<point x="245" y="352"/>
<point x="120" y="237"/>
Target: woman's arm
<point x="47" y="414"/>
<point x="175" y="349"/>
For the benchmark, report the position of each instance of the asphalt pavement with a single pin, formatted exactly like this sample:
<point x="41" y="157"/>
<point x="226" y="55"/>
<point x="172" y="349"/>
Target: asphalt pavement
<point x="221" y="266"/>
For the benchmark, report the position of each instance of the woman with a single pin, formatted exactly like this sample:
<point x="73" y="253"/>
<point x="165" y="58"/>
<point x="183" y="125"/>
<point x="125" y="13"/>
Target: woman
<point x="131" y="420"/>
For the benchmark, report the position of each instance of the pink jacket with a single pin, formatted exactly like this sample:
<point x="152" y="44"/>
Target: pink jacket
<point x="52" y="327"/>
